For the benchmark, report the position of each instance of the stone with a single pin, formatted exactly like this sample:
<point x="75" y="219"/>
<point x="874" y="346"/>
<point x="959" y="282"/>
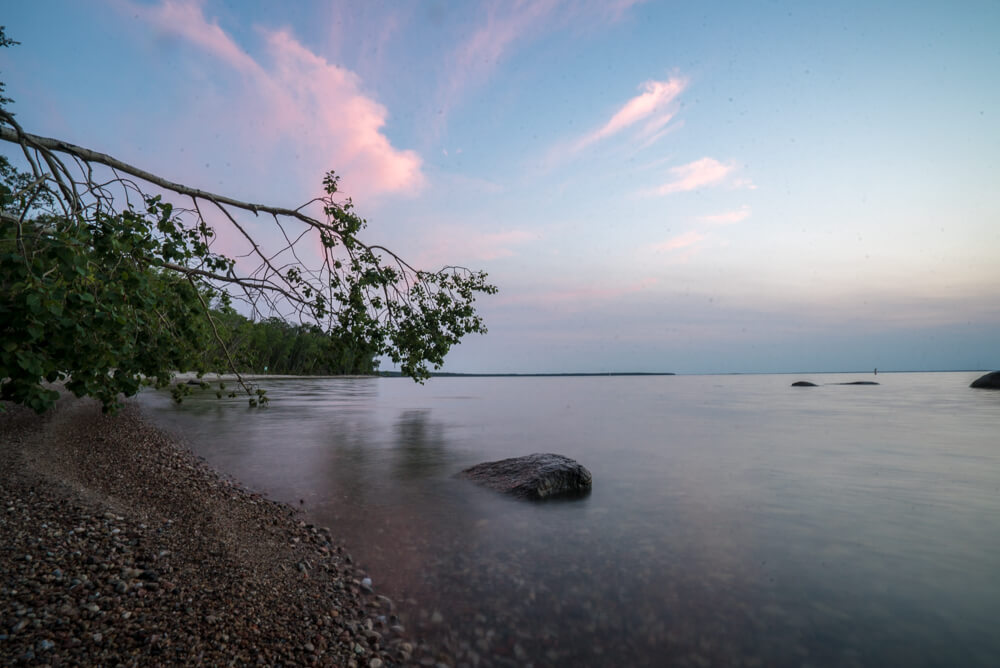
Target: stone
<point x="990" y="381"/>
<point x="803" y="383"/>
<point x="859" y="382"/>
<point x="535" y="476"/>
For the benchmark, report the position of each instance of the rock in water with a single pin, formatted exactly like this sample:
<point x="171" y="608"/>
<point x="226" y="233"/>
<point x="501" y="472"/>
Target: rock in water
<point x="803" y="383"/>
<point x="990" y="381"/>
<point x="537" y="476"/>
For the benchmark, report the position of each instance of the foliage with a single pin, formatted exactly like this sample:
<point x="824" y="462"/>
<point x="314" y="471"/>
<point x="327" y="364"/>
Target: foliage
<point x="87" y="303"/>
<point x="275" y="346"/>
<point x="4" y="41"/>
<point x="106" y="286"/>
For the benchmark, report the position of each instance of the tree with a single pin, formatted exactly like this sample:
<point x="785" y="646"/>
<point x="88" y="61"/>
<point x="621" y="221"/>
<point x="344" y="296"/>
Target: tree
<point x="107" y="281"/>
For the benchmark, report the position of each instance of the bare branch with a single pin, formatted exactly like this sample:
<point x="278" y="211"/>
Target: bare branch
<point x="220" y="340"/>
<point x="16" y="136"/>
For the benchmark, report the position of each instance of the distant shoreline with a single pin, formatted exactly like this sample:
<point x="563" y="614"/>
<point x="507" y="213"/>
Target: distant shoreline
<point x="447" y="374"/>
<point x="216" y="377"/>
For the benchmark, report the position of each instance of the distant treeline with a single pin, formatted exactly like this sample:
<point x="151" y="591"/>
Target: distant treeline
<point x="275" y="346"/>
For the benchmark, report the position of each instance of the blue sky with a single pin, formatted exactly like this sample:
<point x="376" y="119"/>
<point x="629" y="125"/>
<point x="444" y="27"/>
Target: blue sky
<point x="690" y="187"/>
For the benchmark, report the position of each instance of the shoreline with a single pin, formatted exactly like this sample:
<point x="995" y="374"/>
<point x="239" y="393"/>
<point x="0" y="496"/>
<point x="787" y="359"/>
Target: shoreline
<point x="120" y="546"/>
<point x="213" y="377"/>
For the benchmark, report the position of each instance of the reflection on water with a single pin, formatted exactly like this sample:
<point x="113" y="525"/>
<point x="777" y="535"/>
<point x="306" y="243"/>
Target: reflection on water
<point x="733" y="521"/>
<point x="420" y="450"/>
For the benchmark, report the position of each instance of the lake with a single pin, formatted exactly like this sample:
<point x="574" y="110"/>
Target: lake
<point x="734" y="520"/>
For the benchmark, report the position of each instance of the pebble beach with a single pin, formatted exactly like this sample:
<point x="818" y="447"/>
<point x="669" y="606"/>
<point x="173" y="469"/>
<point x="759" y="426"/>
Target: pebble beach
<point x="118" y="547"/>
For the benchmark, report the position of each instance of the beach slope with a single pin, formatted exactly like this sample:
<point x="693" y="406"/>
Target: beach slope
<point x="118" y="546"/>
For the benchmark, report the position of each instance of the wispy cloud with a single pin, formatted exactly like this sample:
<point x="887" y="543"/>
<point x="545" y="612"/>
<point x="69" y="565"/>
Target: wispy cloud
<point x="655" y="101"/>
<point x="728" y="217"/>
<point x="615" y="9"/>
<point x="476" y="57"/>
<point x="694" y="175"/>
<point x="679" y="242"/>
<point x="184" y="18"/>
<point x="300" y="99"/>
<point x="644" y="118"/>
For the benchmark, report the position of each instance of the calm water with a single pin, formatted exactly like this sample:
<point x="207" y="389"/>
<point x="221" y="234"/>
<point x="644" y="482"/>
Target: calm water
<point x="734" y="520"/>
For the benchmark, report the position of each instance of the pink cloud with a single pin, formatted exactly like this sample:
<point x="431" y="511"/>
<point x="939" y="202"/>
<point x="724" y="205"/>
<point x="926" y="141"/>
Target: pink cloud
<point x="654" y="100"/>
<point x="653" y="136"/>
<point x="728" y="217"/>
<point x="676" y="243"/>
<point x="654" y="126"/>
<point x="185" y="19"/>
<point x="320" y="94"/>
<point x="694" y="175"/>
<point x="300" y="103"/>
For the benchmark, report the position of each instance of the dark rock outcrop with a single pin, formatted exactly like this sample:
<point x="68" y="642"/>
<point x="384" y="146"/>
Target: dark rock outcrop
<point x="859" y="382"/>
<point x="990" y="381"/>
<point x="537" y="476"/>
<point x="803" y="383"/>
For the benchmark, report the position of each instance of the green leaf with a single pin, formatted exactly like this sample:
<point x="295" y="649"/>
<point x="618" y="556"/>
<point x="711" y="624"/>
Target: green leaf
<point x="34" y="302"/>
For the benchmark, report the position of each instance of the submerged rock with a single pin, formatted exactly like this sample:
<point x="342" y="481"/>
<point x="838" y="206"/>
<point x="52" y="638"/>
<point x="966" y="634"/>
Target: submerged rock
<point x="803" y="383"/>
<point x="859" y="382"/>
<point x="537" y="476"/>
<point x="990" y="381"/>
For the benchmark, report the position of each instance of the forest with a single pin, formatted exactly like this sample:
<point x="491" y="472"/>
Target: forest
<point x="273" y="345"/>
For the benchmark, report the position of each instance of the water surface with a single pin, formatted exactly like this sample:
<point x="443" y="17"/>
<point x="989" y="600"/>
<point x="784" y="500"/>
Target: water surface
<point x="734" y="520"/>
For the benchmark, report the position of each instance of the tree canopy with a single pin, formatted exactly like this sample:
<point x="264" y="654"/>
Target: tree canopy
<point x="110" y="278"/>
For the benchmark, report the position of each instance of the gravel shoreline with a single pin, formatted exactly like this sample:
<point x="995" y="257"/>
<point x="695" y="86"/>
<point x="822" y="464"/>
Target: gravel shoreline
<point x="120" y="547"/>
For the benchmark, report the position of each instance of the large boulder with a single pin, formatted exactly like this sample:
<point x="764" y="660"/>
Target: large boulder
<point x="803" y="383"/>
<point x="537" y="476"/>
<point x="990" y="381"/>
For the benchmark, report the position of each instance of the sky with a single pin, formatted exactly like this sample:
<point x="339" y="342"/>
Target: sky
<point x="653" y="186"/>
